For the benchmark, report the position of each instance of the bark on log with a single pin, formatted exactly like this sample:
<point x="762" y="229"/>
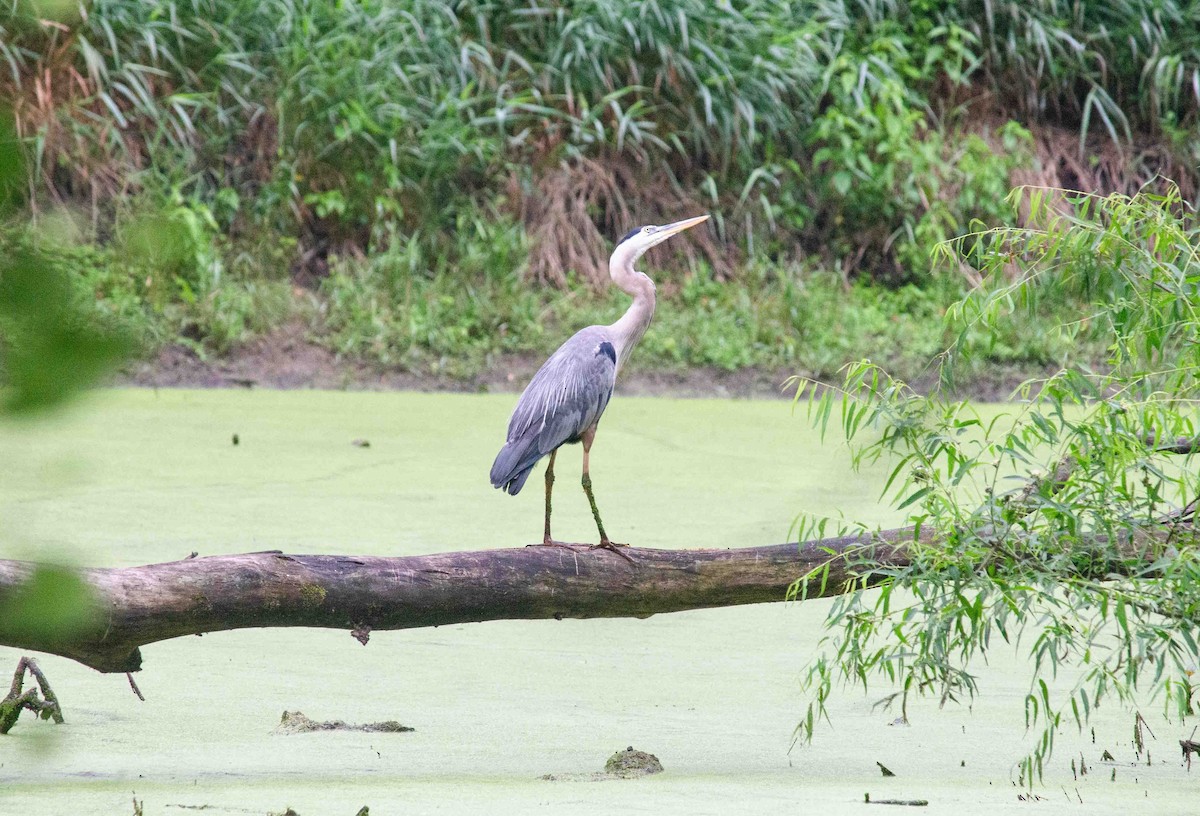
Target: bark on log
<point x="137" y="606"/>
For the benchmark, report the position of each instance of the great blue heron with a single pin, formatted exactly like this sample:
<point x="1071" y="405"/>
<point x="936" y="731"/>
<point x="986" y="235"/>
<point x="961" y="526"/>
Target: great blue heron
<point x="565" y="399"/>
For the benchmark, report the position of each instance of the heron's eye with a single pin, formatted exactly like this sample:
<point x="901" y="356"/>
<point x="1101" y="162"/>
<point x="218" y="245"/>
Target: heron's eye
<point x="647" y="230"/>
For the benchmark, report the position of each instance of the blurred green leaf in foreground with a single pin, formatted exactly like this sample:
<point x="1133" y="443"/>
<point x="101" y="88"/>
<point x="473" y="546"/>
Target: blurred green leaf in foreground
<point x="52" y="342"/>
<point x="53" y="605"/>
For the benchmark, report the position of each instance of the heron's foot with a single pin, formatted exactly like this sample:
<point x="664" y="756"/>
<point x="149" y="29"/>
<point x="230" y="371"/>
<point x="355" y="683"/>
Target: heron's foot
<point x="550" y="542"/>
<point x="612" y="546"/>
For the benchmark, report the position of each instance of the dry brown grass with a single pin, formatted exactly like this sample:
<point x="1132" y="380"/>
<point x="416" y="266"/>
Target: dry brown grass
<point x="1096" y="165"/>
<point x="56" y="106"/>
<point x="581" y="206"/>
<point x="1102" y="165"/>
<point x="89" y="140"/>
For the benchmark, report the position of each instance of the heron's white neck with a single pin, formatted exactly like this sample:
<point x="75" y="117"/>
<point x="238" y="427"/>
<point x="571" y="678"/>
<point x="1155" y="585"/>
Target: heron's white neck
<point x="633" y="324"/>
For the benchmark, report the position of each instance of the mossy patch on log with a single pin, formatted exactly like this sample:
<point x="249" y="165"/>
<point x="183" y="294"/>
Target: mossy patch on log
<point x="312" y="594"/>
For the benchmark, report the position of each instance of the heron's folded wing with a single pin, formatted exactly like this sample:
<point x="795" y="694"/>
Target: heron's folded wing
<point x="568" y="394"/>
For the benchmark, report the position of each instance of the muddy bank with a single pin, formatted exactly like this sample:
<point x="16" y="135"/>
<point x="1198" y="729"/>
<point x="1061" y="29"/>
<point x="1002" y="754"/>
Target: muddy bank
<point x="286" y="359"/>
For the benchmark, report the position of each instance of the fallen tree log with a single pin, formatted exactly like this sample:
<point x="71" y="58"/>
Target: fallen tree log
<point x="136" y="606"/>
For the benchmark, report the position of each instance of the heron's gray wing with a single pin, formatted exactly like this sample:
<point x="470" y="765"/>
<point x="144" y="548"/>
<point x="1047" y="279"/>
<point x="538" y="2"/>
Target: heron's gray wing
<point x="565" y="398"/>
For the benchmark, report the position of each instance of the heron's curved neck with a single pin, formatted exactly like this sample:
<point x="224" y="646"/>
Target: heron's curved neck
<point x="629" y="329"/>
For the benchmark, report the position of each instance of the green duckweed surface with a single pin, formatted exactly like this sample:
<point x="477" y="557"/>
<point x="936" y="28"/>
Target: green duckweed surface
<point x="132" y="477"/>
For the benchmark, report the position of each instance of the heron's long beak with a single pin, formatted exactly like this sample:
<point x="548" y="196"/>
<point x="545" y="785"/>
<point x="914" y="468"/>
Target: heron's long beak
<point x="679" y="226"/>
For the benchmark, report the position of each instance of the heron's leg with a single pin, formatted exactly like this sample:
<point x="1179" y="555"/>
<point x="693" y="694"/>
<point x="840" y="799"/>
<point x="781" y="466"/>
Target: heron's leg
<point x="547" y="541"/>
<point x="587" y="438"/>
<point x="549" y="490"/>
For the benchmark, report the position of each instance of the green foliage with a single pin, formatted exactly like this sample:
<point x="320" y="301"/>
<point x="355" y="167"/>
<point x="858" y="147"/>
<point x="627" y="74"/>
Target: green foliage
<point x="167" y="277"/>
<point x="386" y="112"/>
<point x="195" y="282"/>
<point x="351" y="123"/>
<point x="709" y="324"/>
<point x="1116" y="65"/>
<point x="52" y="343"/>
<point x="404" y="307"/>
<point x="1056" y="526"/>
<point x="895" y="187"/>
<point x="710" y="84"/>
<point x="54" y="604"/>
<point x="1119" y="66"/>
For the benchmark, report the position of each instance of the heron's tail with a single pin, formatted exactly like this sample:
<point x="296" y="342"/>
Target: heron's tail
<point x="513" y="465"/>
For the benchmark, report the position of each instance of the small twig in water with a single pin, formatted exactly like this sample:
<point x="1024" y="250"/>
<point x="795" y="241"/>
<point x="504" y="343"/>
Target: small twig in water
<point x="1189" y="747"/>
<point x="133" y="685"/>
<point x="1139" y="741"/>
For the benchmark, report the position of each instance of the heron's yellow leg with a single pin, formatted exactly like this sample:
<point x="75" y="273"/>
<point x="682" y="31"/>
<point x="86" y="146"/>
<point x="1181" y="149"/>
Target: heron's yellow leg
<point x="587" y="488"/>
<point x="547" y="541"/>
<point x="587" y="438"/>
<point x="549" y="490"/>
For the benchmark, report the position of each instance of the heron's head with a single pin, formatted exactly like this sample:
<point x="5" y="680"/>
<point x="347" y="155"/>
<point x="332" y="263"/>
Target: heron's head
<point x="637" y="241"/>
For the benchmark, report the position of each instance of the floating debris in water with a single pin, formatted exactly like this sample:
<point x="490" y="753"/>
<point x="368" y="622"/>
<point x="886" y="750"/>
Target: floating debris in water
<point x="627" y="764"/>
<point x="630" y="763"/>
<point x="295" y="722"/>
<point x="909" y="802"/>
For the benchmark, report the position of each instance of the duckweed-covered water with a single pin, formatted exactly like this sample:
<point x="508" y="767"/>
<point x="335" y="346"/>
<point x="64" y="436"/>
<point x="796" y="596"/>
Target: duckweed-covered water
<point x="133" y="477"/>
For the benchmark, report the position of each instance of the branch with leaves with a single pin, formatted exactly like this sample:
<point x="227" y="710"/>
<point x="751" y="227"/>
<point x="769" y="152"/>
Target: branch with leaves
<point x="1063" y="522"/>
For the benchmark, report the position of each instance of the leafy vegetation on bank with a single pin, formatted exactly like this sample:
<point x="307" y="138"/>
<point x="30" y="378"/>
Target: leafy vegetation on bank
<point x="409" y="176"/>
<point x="788" y="318"/>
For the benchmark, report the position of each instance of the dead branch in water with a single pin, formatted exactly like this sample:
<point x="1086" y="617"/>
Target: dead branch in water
<point x="44" y="705"/>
